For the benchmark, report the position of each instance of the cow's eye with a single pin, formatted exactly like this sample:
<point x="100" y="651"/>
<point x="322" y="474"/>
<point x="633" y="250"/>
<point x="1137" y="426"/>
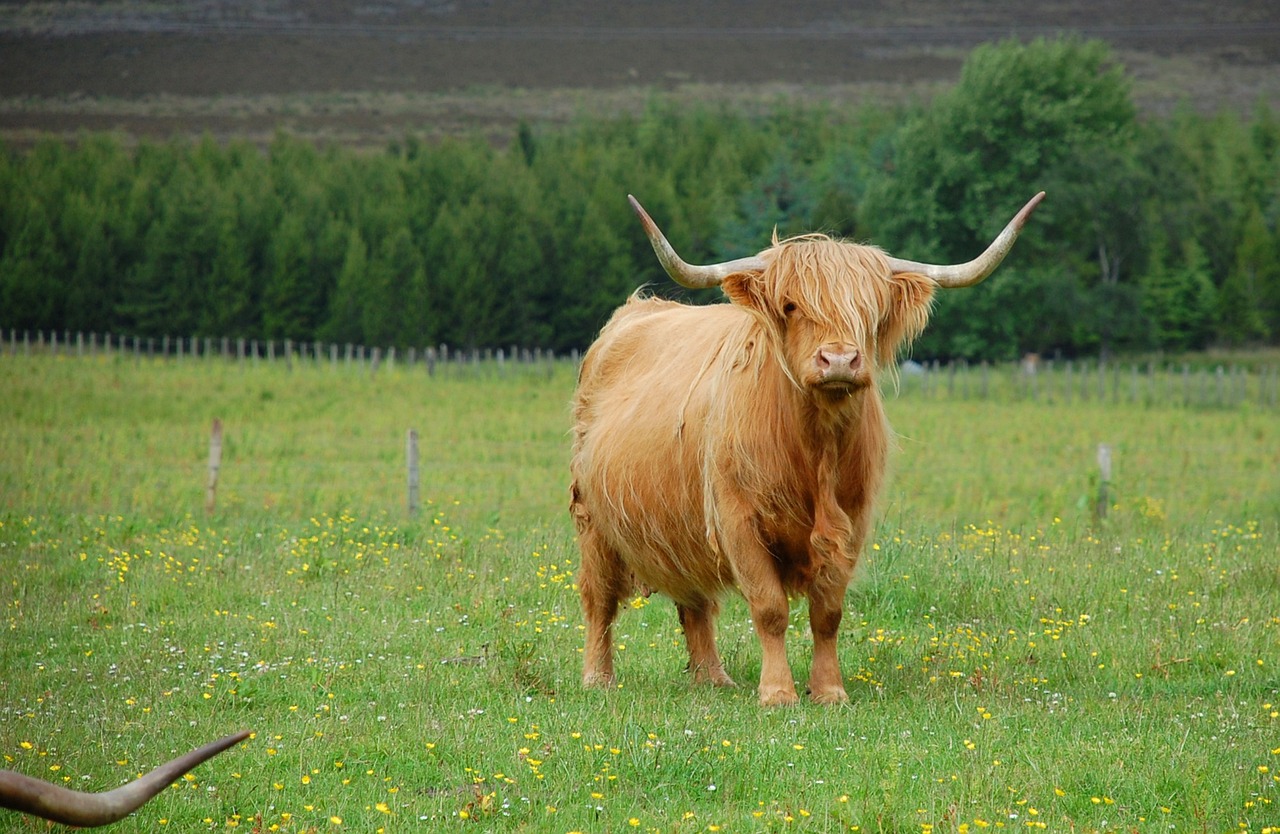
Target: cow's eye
<point x="788" y="308"/>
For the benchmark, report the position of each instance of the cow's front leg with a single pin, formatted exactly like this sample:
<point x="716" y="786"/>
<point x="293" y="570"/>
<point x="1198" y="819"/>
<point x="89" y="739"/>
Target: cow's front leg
<point x="770" y="614"/>
<point x="736" y="538"/>
<point x="826" y="609"/>
<point x="758" y="580"/>
<point x="833" y="541"/>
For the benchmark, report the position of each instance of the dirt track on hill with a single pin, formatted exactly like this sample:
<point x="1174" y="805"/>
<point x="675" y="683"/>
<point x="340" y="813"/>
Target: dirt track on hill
<point x="365" y="74"/>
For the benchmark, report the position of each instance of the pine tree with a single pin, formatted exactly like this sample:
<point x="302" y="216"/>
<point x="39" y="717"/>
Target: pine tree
<point x="1179" y="299"/>
<point x="1242" y="300"/>
<point x="30" y="297"/>
<point x="344" y="322"/>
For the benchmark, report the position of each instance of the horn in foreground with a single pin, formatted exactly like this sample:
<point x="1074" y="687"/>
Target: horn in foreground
<point x="944" y="275"/>
<point x="88" y="810"/>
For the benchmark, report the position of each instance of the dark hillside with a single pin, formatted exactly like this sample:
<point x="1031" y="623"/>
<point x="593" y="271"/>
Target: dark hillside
<point x="362" y="73"/>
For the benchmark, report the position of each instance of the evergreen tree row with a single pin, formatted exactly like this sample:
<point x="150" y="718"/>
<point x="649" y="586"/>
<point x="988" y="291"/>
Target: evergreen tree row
<point x="1156" y="234"/>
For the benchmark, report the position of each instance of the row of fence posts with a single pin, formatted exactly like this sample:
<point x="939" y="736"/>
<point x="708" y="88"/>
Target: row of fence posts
<point x="412" y="472"/>
<point x="270" y="350"/>
<point x="1103" y="382"/>
<point x="1048" y="381"/>
<point x="413" y="481"/>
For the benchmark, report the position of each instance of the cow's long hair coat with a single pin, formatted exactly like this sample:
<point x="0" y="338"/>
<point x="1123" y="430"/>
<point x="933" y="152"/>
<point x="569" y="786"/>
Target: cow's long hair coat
<point x="706" y="456"/>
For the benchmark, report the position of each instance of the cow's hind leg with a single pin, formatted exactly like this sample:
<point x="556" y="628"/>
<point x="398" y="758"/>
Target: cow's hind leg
<point x="602" y="582"/>
<point x="699" y="624"/>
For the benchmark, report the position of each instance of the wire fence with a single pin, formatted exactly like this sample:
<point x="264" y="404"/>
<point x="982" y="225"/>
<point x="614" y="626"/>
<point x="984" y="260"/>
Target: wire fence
<point x="432" y="358"/>
<point x="1147" y="384"/>
<point x="1141" y="384"/>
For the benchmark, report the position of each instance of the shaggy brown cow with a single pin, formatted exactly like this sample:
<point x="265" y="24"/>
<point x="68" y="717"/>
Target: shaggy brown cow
<point x="89" y="810"/>
<point x="743" y="444"/>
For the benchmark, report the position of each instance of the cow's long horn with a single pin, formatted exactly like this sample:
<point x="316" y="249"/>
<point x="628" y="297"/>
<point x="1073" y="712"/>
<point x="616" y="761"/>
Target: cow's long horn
<point x="968" y="274"/>
<point x="88" y="810"/>
<point x="693" y="277"/>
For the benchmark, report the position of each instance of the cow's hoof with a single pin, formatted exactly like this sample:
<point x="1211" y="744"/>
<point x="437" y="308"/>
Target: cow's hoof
<point x="778" y="698"/>
<point x="829" y="695"/>
<point x="715" y="677"/>
<point x="723" y="680"/>
<point x="598" y="680"/>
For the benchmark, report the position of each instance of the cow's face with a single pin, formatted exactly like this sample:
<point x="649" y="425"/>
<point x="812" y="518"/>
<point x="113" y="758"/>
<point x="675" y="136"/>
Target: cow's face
<point x="836" y="310"/>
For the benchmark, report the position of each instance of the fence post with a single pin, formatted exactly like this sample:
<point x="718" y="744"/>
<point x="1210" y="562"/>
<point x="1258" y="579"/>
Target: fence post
<point x="215" y="464"/>
<point x="1104" y="482"/>
<point x="411" y="459"/>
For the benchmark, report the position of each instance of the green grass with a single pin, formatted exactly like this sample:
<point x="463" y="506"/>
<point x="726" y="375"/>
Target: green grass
<point x="1011" y="665"/>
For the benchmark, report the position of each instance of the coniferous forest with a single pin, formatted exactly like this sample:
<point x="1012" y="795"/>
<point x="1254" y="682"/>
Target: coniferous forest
<point x="1157" y="234"/>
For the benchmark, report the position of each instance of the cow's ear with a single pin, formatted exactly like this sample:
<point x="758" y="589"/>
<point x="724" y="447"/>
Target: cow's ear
<point x="743" y="288"/>
<point x="908" y="312"/>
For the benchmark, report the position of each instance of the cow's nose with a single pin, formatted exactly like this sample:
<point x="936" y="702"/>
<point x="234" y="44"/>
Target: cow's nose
<point x="837" y="364"/>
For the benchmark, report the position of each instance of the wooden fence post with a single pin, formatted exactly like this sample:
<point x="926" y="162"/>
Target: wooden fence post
<point x="215" y="464"/>
<point x="1104" y="482"/>
<point x="411" y="459"/>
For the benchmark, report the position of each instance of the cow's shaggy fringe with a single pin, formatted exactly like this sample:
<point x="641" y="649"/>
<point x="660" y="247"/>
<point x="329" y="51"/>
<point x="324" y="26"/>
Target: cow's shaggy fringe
<point x="903" y="301"/>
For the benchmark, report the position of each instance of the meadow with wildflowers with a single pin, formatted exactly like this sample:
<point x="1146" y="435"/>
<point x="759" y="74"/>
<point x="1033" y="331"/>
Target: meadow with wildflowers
<point x="1012" y="664"/>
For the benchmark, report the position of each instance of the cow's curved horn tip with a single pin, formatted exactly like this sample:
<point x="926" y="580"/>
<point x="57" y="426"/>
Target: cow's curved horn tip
<point x="635" y="206"/>
<point x="227" y="742"/>
<point x="645" y="220"/>
<point x="1030" y="206"/>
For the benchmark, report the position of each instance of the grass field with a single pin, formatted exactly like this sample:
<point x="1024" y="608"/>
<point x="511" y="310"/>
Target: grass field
<point x="1011" y="663"/>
